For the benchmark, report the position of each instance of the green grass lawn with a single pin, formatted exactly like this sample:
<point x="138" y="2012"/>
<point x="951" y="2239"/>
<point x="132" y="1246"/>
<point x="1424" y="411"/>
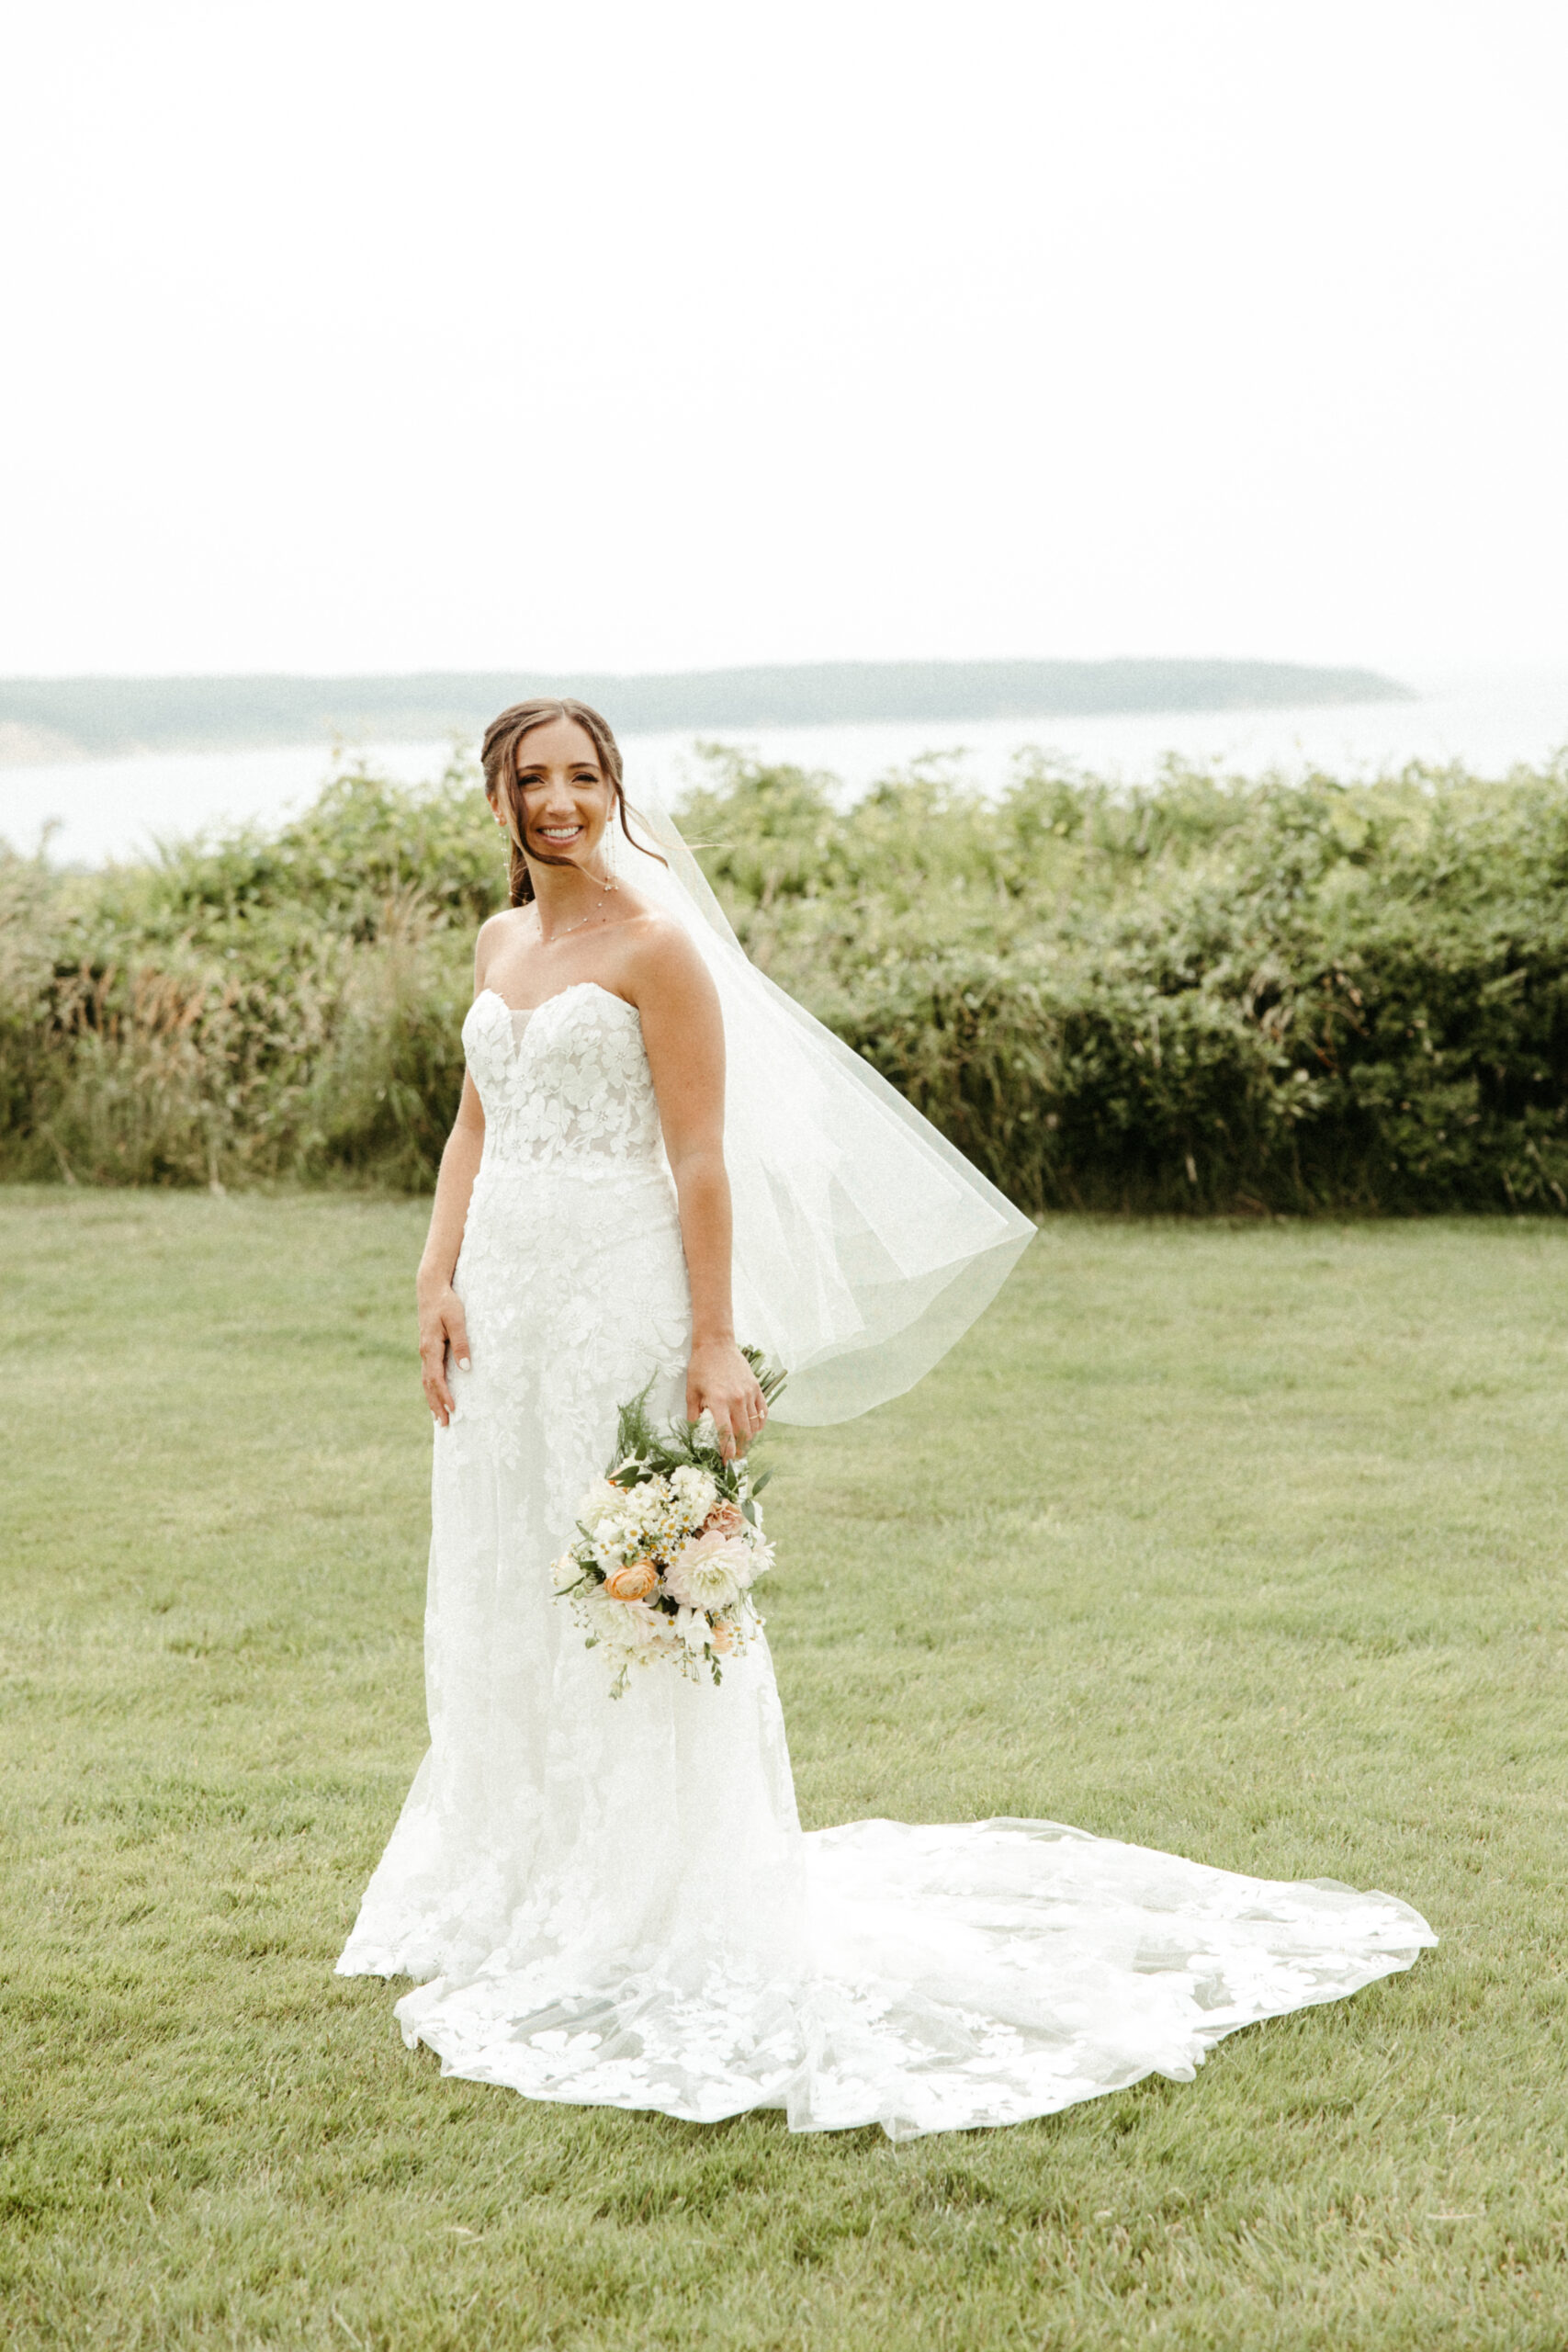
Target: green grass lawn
<point x="1243" y="1543"/>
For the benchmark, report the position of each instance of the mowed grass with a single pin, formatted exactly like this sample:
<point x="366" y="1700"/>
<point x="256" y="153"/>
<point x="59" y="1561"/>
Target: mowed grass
<point x="1244" y="1542"/>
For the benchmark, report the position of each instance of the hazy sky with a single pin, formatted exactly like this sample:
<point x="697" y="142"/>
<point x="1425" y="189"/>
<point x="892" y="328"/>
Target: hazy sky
<point x="603" y="335"/>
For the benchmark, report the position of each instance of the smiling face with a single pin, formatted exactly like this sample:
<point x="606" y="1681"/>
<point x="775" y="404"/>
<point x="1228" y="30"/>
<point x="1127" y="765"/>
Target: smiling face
<point x="563" y="798"/>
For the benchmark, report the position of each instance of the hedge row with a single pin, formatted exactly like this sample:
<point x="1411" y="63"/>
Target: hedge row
<point x="1206" y="995"/>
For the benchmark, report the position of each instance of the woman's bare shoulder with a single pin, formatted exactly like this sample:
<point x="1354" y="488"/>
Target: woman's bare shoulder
<point x="662" y="956"/>
<point x="495" y="932"/>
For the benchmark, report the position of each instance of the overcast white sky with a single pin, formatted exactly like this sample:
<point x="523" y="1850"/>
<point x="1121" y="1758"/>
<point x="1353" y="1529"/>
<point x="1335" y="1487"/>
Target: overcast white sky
<point x="627" y="336"/>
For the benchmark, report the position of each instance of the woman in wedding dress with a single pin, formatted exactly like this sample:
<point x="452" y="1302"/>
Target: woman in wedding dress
<point x="611" y="1901"/>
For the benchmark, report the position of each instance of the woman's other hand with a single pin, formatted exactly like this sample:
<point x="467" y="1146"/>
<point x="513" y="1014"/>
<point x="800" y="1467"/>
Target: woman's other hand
<point x="443" y="1338"/>
<point x="719" y="1380"/>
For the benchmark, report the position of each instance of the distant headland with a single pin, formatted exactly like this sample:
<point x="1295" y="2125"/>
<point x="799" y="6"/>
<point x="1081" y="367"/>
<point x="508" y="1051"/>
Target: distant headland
<point x="44" y="719"/>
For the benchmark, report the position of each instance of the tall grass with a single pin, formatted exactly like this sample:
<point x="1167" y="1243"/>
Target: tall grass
<point x="1209" y="994"/>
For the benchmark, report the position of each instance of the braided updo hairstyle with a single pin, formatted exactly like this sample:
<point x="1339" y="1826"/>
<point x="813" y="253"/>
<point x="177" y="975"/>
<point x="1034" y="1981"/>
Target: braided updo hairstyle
<point x="499" y="758"/>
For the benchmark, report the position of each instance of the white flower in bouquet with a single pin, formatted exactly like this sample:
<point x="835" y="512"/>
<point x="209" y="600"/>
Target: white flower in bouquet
<point x="695" y="1491"/>
<point x="615" y="1539"/>
<point x="566" y="1572"/>
<point x="600" y="1502"/>
<point x="693" y="1628"/>
<point x="709" y="1573"/>
<point x="642" y="1508"/>
<point x="626" y="1627"/>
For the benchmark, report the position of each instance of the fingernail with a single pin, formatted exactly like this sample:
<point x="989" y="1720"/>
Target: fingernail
<point x="462" y="1364"/>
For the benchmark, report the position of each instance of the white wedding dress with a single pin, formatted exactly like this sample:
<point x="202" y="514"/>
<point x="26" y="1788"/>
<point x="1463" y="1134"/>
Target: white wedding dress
<point x="610" y="1902"/>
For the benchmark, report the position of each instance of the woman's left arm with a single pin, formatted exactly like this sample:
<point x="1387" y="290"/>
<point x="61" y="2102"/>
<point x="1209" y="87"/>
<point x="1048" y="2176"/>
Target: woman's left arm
<point x="683" y="1030"/>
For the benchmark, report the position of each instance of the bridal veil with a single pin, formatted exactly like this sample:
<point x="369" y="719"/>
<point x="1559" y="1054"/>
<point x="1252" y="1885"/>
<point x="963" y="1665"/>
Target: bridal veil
<point x="864" y="1244"/>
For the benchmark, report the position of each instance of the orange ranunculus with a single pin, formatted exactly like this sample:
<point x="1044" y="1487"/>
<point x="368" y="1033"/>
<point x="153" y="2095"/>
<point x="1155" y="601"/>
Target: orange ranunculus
<point x="724" y="1519"/>
<point x="632" y="1581"/>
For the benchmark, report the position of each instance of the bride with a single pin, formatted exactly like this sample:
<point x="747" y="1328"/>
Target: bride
<point x="610" y="1902"/>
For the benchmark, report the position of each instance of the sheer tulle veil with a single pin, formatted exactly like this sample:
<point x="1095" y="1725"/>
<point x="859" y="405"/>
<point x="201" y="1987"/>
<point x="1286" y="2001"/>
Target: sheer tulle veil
<point x="864" y="1243"/>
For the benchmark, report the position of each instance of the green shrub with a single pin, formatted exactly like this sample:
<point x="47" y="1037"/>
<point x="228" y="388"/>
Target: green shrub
<point x="1205" y="995"/>
<point x="1264" y="996"/>
<point x="258" y="1006"/>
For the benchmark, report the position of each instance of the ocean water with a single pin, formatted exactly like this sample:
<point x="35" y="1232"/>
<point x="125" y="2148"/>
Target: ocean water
<point x="94" y="810"/>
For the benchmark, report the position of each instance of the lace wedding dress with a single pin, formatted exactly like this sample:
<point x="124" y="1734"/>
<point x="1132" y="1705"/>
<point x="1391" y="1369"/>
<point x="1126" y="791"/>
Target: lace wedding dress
<point x="611" y="1901"/>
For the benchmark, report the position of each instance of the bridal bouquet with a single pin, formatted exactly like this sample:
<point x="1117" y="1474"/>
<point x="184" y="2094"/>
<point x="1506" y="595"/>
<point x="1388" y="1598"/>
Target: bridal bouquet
<point x="669" y="1545"/>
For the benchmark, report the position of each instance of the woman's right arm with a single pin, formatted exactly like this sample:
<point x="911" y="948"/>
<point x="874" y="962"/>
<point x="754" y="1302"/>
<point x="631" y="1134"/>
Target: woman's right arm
<point x="442" y="1330"/>
<point x="443" y="1333"/>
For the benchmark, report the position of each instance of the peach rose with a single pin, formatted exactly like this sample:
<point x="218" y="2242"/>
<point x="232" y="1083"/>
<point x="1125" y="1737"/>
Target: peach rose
<point x="724" y="1519"/>
<point x="632" y="1581"/>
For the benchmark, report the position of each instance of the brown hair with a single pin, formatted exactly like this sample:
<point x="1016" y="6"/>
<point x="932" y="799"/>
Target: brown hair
<point x="498" y="759"/>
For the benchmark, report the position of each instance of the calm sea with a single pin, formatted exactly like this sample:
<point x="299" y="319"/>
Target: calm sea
<point x="121" y="807"/>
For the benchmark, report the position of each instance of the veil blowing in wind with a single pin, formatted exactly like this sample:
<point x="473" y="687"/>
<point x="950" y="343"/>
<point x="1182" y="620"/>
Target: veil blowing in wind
<point x="864" y="1243"/>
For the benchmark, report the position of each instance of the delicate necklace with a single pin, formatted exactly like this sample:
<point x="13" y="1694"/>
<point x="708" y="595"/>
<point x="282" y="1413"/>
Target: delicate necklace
<point x="569" y="927"/>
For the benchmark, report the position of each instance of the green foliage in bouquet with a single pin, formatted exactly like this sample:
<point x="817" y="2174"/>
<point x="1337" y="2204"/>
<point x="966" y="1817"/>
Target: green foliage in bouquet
<point x="643" y="1451"/>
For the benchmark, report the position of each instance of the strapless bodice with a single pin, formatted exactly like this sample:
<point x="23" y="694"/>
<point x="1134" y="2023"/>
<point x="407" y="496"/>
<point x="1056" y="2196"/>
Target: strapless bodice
<point x="569" y="1084"/>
